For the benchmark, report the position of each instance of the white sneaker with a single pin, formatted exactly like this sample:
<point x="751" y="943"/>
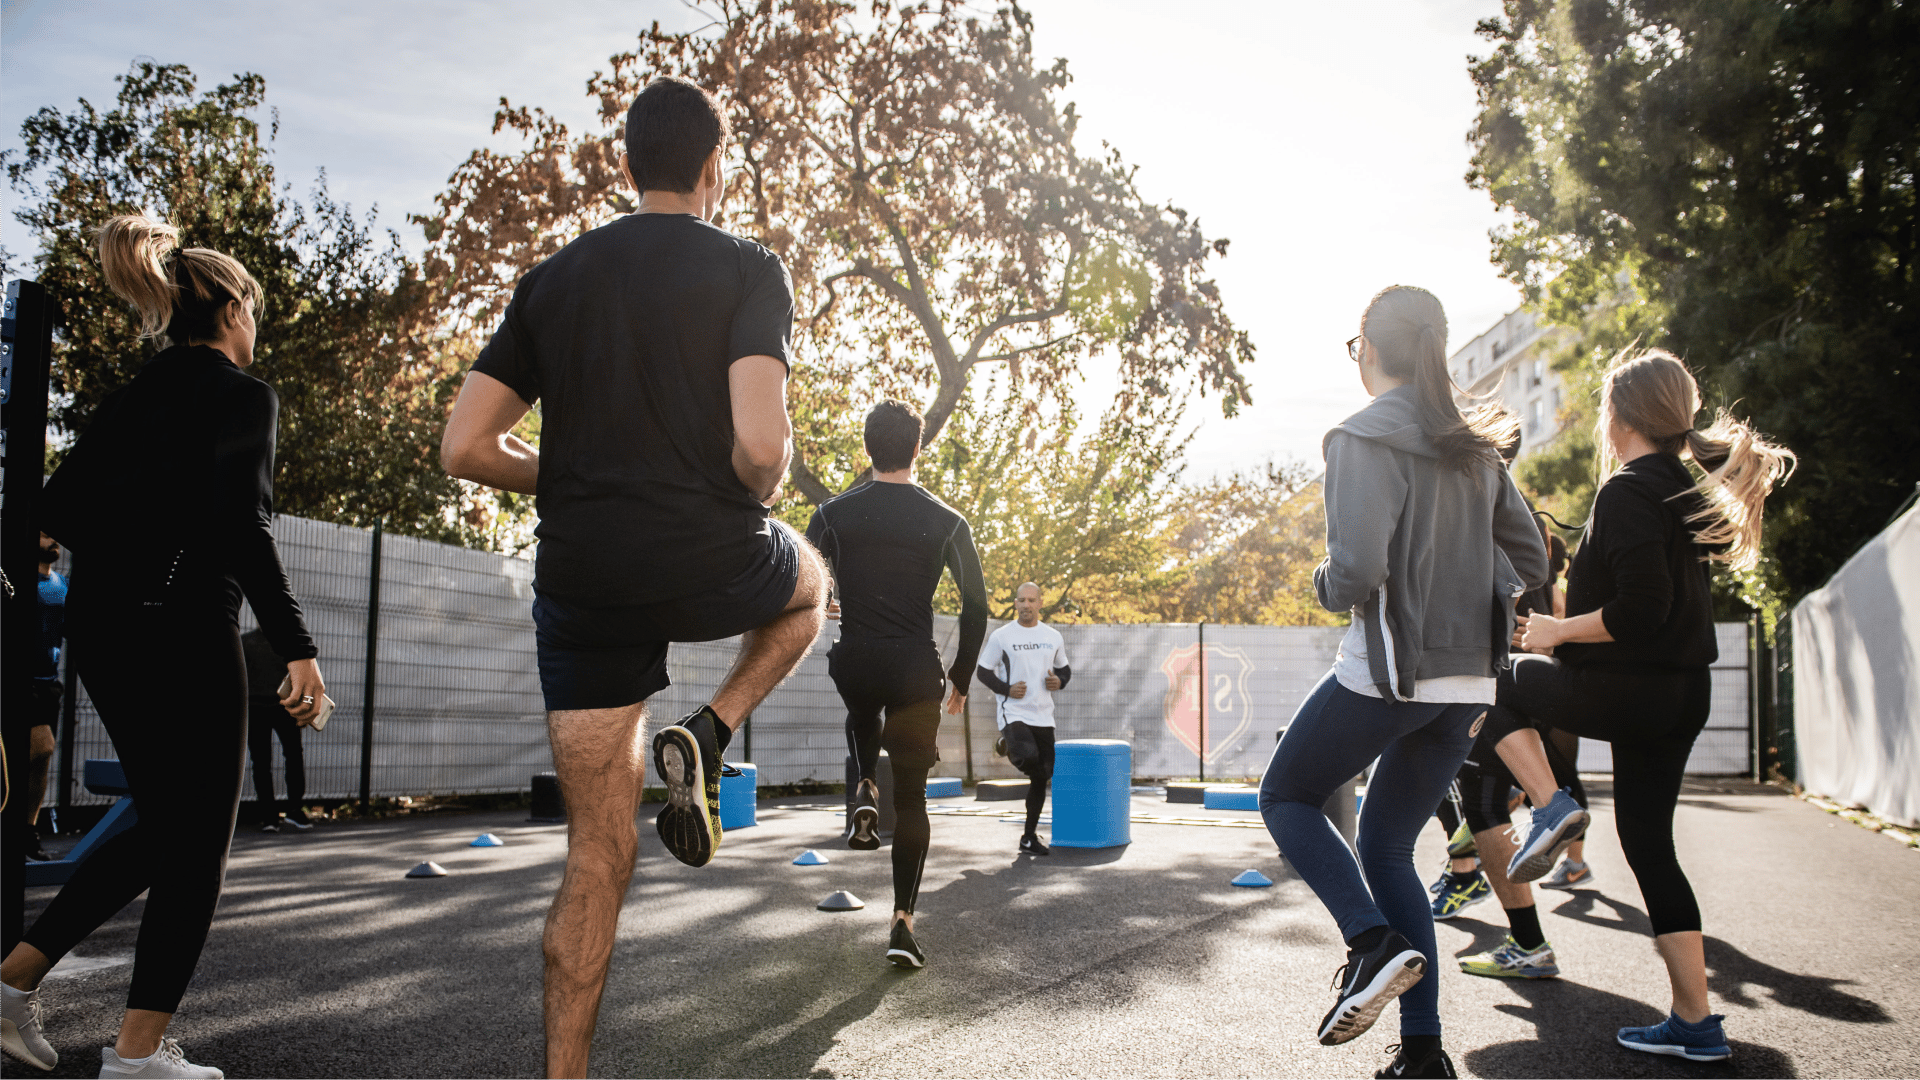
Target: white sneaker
<point x="20" y="1033"/>
<point x="168" y="1061"/>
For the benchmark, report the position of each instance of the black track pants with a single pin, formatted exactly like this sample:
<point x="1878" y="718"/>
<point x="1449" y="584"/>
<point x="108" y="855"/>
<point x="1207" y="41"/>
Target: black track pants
<point x="266" y="718"/>
<point x="172" y="695"/>
<point x="1651" y="717"/>
<point x="892" y="691"/>
<point x="1039" y="770"/>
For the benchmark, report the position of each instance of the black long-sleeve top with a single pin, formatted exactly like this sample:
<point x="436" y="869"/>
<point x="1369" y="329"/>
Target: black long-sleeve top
<point x="166" y="500"/>
<point x="887" y="544"/>
<point x="1002" y="687"/>
<point x="1640" y="568"/>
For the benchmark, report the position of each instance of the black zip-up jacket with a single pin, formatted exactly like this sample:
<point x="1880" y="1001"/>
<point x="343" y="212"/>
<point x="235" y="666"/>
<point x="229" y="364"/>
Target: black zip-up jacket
<point x="167" y="498"/>
<point x="1640" y="568"/>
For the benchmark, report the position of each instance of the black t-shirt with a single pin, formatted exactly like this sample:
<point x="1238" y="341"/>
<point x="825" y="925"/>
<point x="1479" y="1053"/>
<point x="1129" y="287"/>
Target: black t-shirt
<point x="625" y="337"/>
<point x="887" y="544"/>
<point x="1640" y="568"/>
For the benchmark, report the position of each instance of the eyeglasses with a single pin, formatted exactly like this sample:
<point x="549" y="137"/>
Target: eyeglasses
<point x="1353" y="348"/>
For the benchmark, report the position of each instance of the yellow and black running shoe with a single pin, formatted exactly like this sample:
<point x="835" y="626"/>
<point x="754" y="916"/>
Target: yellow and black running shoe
<point x="688" y="759"/>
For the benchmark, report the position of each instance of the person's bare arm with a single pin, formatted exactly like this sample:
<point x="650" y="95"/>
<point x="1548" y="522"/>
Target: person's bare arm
<point x="1543" y="631"/>
<point x="479" y="444"/>
<point x="762" y="434"/>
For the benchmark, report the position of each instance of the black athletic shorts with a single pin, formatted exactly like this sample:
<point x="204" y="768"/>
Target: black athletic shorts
<point x="607" y="657"/>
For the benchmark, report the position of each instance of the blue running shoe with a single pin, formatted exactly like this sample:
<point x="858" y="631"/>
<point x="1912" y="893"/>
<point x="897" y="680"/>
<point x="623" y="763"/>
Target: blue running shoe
<point x="1461" y="892"/>
<point x="1554" y="827"/>
<point x="1705" y="1041"/>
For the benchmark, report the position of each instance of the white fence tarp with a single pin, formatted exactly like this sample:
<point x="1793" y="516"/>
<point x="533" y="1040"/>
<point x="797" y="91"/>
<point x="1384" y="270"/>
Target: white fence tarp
<point x="457" y="706"/>
<point x="1856" y="679"/>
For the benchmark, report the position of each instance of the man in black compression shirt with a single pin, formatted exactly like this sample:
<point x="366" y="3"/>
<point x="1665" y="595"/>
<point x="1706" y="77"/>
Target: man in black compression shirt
<point x="887" y="542"/>
<point x="657" y="346"/>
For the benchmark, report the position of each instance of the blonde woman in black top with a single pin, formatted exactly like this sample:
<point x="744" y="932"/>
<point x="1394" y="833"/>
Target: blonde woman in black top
<point x="166" y="500"/>
<point x="1629" y="662"/>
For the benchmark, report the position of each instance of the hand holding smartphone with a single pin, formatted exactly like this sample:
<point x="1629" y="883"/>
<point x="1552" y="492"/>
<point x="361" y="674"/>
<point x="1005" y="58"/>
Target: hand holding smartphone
<point x="319" y="722"/>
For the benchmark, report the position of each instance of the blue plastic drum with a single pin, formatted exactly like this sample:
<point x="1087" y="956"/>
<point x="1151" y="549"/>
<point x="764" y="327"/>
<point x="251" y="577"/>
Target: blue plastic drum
<point x="1092" y="782"/>
<point x="737" y="797"/>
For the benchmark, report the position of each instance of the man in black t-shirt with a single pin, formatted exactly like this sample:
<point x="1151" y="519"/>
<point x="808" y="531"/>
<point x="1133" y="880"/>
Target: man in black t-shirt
<point x="887" y="542"/>
<point x="657" y="346"/>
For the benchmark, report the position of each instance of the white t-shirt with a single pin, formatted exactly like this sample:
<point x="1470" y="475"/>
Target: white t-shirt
<point x="1025" y="654"/>
<point x="1354" y="673"/>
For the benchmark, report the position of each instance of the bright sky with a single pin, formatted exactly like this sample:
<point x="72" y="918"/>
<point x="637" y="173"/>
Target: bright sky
<point x="1327" y="140"/>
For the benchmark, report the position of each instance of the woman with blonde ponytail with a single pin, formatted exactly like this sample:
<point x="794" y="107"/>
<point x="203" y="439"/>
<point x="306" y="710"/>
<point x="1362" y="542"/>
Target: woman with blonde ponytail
<point x="1428" y="541"/>
<point x="1629" y="663"/>
<point x="165" y="500"/>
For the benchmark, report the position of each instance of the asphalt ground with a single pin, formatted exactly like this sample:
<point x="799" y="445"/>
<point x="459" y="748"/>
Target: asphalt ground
<point x="326" y="962"/>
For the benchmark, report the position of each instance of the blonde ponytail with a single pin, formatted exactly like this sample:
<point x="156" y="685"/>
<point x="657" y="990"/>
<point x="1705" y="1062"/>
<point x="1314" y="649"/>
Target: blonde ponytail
<point x="178" y="294"/>
<point x="1653" y="393"/>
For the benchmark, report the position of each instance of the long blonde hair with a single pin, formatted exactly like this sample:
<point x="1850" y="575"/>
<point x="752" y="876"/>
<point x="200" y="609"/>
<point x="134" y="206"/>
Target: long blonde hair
<point x="1653" y="393"/>
<point x="1408" y="328"/>
<point x="178" y="293"/>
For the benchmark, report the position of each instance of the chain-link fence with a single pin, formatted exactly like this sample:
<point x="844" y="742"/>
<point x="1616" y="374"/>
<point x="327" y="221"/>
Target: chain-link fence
<point x="455" y="705"/>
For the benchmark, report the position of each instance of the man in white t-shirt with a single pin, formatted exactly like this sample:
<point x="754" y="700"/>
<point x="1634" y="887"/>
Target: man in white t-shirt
<point x="1023" y="664"/>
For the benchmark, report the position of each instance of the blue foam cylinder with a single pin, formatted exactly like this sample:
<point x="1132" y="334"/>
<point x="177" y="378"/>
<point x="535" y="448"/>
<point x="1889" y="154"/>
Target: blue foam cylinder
<point x="943" y="787"/>
<point x="1234" y="797"/>
<point x="737" y="797"/>
<point x="1092" y="784"/>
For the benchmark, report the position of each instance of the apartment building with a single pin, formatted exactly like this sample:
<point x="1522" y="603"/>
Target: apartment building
<point x="1508" y="364"/>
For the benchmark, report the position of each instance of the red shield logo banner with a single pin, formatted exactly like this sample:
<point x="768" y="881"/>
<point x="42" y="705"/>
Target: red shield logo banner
<point x="1229" y="709"/>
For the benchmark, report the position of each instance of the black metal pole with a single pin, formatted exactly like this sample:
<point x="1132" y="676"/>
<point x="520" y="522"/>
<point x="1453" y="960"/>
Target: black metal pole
<point x="69" y="712"/>
<point x="26" y="344"/>
<point x="1756" y="708"/>
<point x="372" y="679"/>
<point x="746" y="738"/>
<point x="1203" y="699"/>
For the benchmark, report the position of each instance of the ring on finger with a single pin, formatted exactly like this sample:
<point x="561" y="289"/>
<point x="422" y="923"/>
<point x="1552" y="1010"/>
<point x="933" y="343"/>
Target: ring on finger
<point x="306" y="699"/>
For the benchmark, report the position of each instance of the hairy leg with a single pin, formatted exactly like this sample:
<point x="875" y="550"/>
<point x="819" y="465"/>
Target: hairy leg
<point x="1496" y="850"/>
<point x="600" y="756"/>
<point x="771" y="653"/>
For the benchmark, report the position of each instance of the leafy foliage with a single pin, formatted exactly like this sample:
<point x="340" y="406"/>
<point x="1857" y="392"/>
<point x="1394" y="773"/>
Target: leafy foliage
<point x="1746" y="169"/>
<point x="363" y="390"/>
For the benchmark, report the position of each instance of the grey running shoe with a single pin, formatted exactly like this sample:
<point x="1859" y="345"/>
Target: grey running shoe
<point x="688" y="760"/>
<point x="1554" y="826"/>
<point x="863" y="829"/>
<point x="1569" y="875"/>
<point x="168" y="1061"/>
<point x="902" y="950"/>
<point x="1372" y="979"/>
<point x="20" y="1034"/>
<point x="1510" y="961"/>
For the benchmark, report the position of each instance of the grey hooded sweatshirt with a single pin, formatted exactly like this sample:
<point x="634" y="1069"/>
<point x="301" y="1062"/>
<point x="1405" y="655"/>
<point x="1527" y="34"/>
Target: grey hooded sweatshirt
<point x="1431" y="558"/>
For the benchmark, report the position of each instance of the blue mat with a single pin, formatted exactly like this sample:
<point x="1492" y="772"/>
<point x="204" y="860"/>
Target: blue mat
<point x="1232" y="797"/>
<point x="943" y="787"/>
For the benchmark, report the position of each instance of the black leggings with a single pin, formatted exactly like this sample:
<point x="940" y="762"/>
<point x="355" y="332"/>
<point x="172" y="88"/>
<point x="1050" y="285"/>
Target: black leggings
<point x="1039" y="770"/>
<point x="1651" y="717"/>
<point x="266" y="717"/>
<point x="892" y="691"/>
<point x="172" y="694"/>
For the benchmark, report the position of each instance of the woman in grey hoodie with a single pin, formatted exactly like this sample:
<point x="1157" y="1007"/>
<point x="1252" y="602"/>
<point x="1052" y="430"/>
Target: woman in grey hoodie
<point x="1428" y="544"/>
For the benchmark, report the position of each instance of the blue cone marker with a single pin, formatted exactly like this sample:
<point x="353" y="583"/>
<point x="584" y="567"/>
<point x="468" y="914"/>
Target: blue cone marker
<point x="810" y="857"/>
<point x="1252" y="879"/>
<point x="487" y="839"/>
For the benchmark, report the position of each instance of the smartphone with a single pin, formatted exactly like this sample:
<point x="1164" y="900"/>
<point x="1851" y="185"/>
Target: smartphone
<point x="318" y="723"/>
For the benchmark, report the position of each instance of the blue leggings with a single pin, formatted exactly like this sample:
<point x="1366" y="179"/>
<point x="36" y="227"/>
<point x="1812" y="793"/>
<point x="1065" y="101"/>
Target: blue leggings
<point x="1335" y="733"/>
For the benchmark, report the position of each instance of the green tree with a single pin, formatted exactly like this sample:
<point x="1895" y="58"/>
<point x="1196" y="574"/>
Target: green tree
<point x="343" y="327"/>
<point x="1747" y="167"/>
<point x="917" y="172"/>
<point x="1245" y="546"/>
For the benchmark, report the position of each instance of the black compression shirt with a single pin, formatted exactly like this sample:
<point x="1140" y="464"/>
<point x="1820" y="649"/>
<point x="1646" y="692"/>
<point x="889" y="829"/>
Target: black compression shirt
<point x="887" y="544"/>
<point x="167" y="498"/>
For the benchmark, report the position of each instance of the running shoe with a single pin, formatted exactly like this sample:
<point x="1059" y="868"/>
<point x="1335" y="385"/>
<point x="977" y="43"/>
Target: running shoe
<point x="1439" y="1065"/>
<point x="168" y="1061"/>
<point x="271" y="827"/>
<point x="20" y="1034"/>
<point x="1372" y="979"/>
<point x="298" y="820"/>
<point x="902" y="949"/>
<point x="1554" y="826"/>
<point x="1461" y="892"/>
<point x="863" y="829"/>
<point x="1569" y="875"/>
<point x="1460" y="845"/>
<point x="1510" y="961"/>
<point x="1031" y="845"/>
<point x="1705" y="1041"/>
<point x="688" y="759"/>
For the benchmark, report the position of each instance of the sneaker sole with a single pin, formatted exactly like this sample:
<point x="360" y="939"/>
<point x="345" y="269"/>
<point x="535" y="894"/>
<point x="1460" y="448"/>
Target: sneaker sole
<point x="1672" y="1050"/>
<point x="685" y="826"/>
<point x="1513" y="973"/>
<point x="866" y="826"/>
<point x="905" y="959"/>
<point x="1351" y="1018"/>
<point x="1455" y="913"/>
<point x="1528" y="867"/>
<point x="16" y="1047"/>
